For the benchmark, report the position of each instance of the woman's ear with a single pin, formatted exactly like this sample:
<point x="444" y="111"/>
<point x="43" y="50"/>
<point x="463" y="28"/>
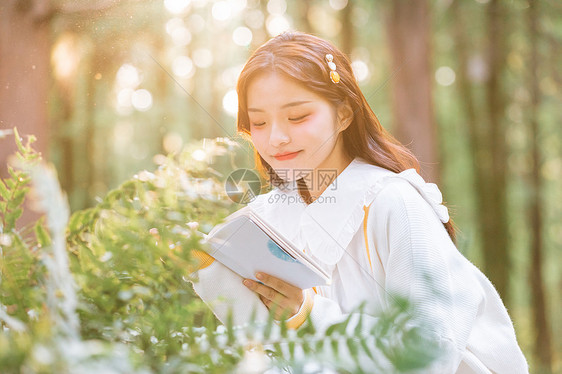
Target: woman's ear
<point x="344" y="114"/>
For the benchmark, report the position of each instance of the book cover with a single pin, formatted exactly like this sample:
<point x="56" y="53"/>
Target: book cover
<point x="247" y="244"/>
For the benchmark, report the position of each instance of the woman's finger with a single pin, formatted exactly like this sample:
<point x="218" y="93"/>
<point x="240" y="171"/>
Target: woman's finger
<point x="261" y="289"/>
<point x="284" y="306"/>
<point x="273" y="300"/>
<point x="279" y="285"/>
<point x="279" y="309"/>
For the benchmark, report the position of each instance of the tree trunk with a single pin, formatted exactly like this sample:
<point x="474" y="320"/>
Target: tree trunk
<point x="543" y="347"/>
<point x="24" y="73"/>
<point x="495" y="233"/>
<point x="347" y="34"/>
<point x="24" y="78"/>
<point x="474" y="119"/>
<point x="408" y="28"/>
<point x="487" y="145"/>
<point x="302" y="18"/>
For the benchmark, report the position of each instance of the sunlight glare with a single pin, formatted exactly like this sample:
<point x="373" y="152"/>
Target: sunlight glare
<point x="180" y="34"/>
<point x="182" y="66"/>
<point x="128" y="76"/>
<point x="242" y="36"/>
<point x="221" y="10"/>
<point x="141" y="100"/>
<point x="124" y="97"/>
<point x="196" y="23"/>
<point x="338" y="4"/>
<point x="360" y="70"/>
<point x="199" y="155"/>
<point x="230" y="102"/>
<point x="254" y="18"/>
<point x="64" y="57"/>
<point x="230" y="75"/>
<point x="276" y="25"/>
<point x="202" y="57"/>
<point x="276" y="7"/>
<point x="176" y="6"/>
<point x="238" y="5"/>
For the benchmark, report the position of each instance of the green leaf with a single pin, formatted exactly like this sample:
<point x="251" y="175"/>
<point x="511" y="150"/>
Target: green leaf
<point x="230" y="328"/>
<point x="10" y="183"/>
<point x="4" y="193"/>
<point x="359" y="326"/>
<point x="12" y="217"/>
<point x="335" y="346"/>
<point x="284" y="328"/>
<point x="306" y="348"/>
<point x="330" y="330"/>
<point x="292" y="349"/>
<point x="366" y="349"/>
<point x="20" y="146"/>
<point x="17" y="200"/>
<point x="42" y="235"/>
<point x="16" y="175"/>
<point x="306" y="329"/>
<point x="268" y="327"/>
<point x="77" y="220"/>
<point x="353" y="348"/>
<point x="342" y="327"/>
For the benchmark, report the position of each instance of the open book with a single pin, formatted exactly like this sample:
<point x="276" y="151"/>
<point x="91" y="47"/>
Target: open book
<point x="246" y="244"/>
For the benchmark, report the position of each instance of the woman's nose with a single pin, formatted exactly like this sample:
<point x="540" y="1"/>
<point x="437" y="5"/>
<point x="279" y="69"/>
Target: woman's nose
<point x="278" y="135"/>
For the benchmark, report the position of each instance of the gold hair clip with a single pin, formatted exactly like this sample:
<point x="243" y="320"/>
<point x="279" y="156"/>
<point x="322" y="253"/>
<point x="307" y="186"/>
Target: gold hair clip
<point x="334" y="76"/>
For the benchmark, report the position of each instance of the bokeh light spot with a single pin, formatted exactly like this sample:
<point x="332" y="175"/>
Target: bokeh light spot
<point x="176" y="6"/>
<point x="242" y="36"/>
<point x="360" y="70"/>
<point x="203" y="58"/>
<point x="445" y="76"/>
<point x="230" y="102"/>
<point x="182" y="66"/>
<point x="141" y="100"/>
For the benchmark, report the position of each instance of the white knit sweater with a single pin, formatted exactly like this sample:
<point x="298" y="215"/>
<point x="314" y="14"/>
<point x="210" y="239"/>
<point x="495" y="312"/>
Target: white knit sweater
<point x="380" y="234"/>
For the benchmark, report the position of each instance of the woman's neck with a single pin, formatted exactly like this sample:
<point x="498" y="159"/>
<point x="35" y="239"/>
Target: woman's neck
<point x="316" y="183"/>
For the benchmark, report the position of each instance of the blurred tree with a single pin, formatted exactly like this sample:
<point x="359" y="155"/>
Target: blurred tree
<point x="303" y="15"/>
<point x="408" y="30"/>
<point x="260" y="35"/>
<point x="543" y="345"/>
<point x="25" y="69"/>
<point x="347" y="34"/>
<point x="493" y="218"/>
<point x="24" y="72"/>
<point x="487" y="141"/>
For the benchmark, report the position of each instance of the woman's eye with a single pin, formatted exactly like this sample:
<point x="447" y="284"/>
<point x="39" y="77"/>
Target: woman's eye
<point x="258" y="124"/>
<point x="299" y="118"/>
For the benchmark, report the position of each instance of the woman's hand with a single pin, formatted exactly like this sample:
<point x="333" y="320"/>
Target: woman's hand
<point x="283" y="298"/>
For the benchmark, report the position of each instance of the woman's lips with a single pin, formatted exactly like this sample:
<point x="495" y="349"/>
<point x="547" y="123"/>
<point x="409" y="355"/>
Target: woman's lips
<point x="287" y="156"/>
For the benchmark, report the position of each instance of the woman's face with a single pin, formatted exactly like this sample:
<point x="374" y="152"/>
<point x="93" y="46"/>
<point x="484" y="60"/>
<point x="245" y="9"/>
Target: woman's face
<point x="293" y="129"/>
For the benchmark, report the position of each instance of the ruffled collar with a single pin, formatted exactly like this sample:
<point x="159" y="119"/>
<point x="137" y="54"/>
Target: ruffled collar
<point x="325" y="227"/>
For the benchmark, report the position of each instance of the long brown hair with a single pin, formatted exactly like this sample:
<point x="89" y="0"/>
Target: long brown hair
<point x="301" y="57"/>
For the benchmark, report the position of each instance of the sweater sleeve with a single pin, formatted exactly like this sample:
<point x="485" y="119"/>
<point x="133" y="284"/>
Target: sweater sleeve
<point x="222" y="290"/>
<point x="420" y="263"/>
<point x="394" y="235"/>
<point x="451" y="297"/>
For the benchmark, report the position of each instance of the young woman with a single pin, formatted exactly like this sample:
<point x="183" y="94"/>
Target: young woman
<point x="350" y="196"/>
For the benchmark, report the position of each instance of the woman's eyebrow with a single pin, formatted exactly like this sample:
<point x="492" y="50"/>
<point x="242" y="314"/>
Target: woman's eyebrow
<point x="291" y="104"/>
